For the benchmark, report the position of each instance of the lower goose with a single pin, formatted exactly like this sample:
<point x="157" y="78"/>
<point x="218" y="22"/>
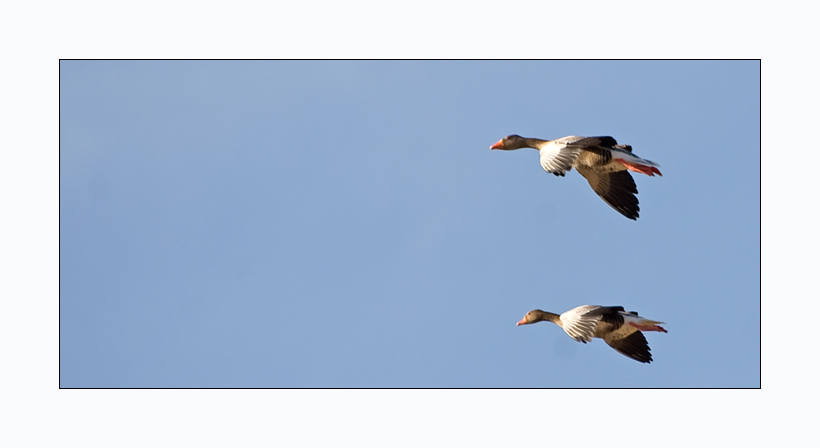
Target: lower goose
<point x="621" y="330"/>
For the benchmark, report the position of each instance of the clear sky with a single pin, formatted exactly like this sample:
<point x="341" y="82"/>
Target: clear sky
<point x="345" y="224"/>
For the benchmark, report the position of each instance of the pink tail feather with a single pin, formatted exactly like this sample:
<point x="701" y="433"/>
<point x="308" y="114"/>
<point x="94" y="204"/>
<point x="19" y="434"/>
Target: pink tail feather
<point x="648" y="327"/>
<point x="644" y="169"/>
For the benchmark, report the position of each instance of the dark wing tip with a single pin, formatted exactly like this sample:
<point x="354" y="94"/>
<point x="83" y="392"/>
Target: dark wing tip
<point x="633" y="346"/>
<point x="620" y="193"/>
<point x="617" y="189"/>
<point x="607" y="141"/>
<point x="602" y="141"/>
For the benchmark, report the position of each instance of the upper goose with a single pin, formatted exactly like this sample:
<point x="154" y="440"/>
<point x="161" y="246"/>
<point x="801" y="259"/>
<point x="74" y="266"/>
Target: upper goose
<point x="621" y="330"/>
<point x="601" y="160"/>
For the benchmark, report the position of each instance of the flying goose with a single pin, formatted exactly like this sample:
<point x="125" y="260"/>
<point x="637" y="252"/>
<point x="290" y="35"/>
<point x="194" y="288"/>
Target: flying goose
<point x="621" y="330"/>
<point x="601" y="160"/>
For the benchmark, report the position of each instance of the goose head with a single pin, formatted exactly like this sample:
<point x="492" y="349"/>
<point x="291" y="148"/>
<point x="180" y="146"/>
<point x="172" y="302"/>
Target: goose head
<point x="511" y="142"/>
<point x="533" y="317"/>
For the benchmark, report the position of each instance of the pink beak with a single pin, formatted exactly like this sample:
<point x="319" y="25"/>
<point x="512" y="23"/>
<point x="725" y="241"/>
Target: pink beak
<point x="522" y="321"/>
<point x="498" y="145"/>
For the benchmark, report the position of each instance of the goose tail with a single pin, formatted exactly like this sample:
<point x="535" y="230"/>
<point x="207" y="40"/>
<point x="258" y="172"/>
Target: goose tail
<point x="637" y="164"/>
<point x="648" y="325"/>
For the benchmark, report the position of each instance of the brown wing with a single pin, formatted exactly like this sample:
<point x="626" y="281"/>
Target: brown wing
<point x="606" y="142"/>
<point x="599" y="143"/>
<point x="633" y="346"/>
<point x="612" y="316"/>
<point x="616" y="189"/>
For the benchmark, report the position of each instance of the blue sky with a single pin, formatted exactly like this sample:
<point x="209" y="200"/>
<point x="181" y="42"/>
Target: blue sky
<point x="344" y="224"/>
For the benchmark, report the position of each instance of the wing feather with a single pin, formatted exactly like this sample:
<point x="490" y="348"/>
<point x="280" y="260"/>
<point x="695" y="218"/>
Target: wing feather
<point x="606" y="142"/>
<point x="633" y="345"/>
<point x="617" y="189"/>
<point x="580" y="323"/>
<point x="557" y="157"/>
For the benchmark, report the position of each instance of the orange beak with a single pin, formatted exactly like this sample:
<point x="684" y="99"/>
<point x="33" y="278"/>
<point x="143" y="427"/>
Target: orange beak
<point x="498" y="145"/>
<point x="522" y="321"/>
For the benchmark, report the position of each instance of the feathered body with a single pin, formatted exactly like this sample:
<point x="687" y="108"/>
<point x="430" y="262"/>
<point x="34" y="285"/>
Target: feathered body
<point x="601" y="160"/>
<point x="621" y="330"/>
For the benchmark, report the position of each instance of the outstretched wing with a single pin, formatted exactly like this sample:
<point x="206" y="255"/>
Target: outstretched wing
<point x="557" y="156"/>
<point x="580" y="323"/>
<point x="632" y="345"/>
<point x="616" y="189"/>
<point x="592" y="142"/>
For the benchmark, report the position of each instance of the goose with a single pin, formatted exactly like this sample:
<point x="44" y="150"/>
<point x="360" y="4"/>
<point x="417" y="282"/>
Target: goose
<point x="621" y="330"/>
<point x="601" y="160"/>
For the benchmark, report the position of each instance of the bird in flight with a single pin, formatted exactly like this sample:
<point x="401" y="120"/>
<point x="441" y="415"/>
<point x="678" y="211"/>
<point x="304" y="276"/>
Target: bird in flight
<point x="601" y="160"/>
<point x="620" y="329"/>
